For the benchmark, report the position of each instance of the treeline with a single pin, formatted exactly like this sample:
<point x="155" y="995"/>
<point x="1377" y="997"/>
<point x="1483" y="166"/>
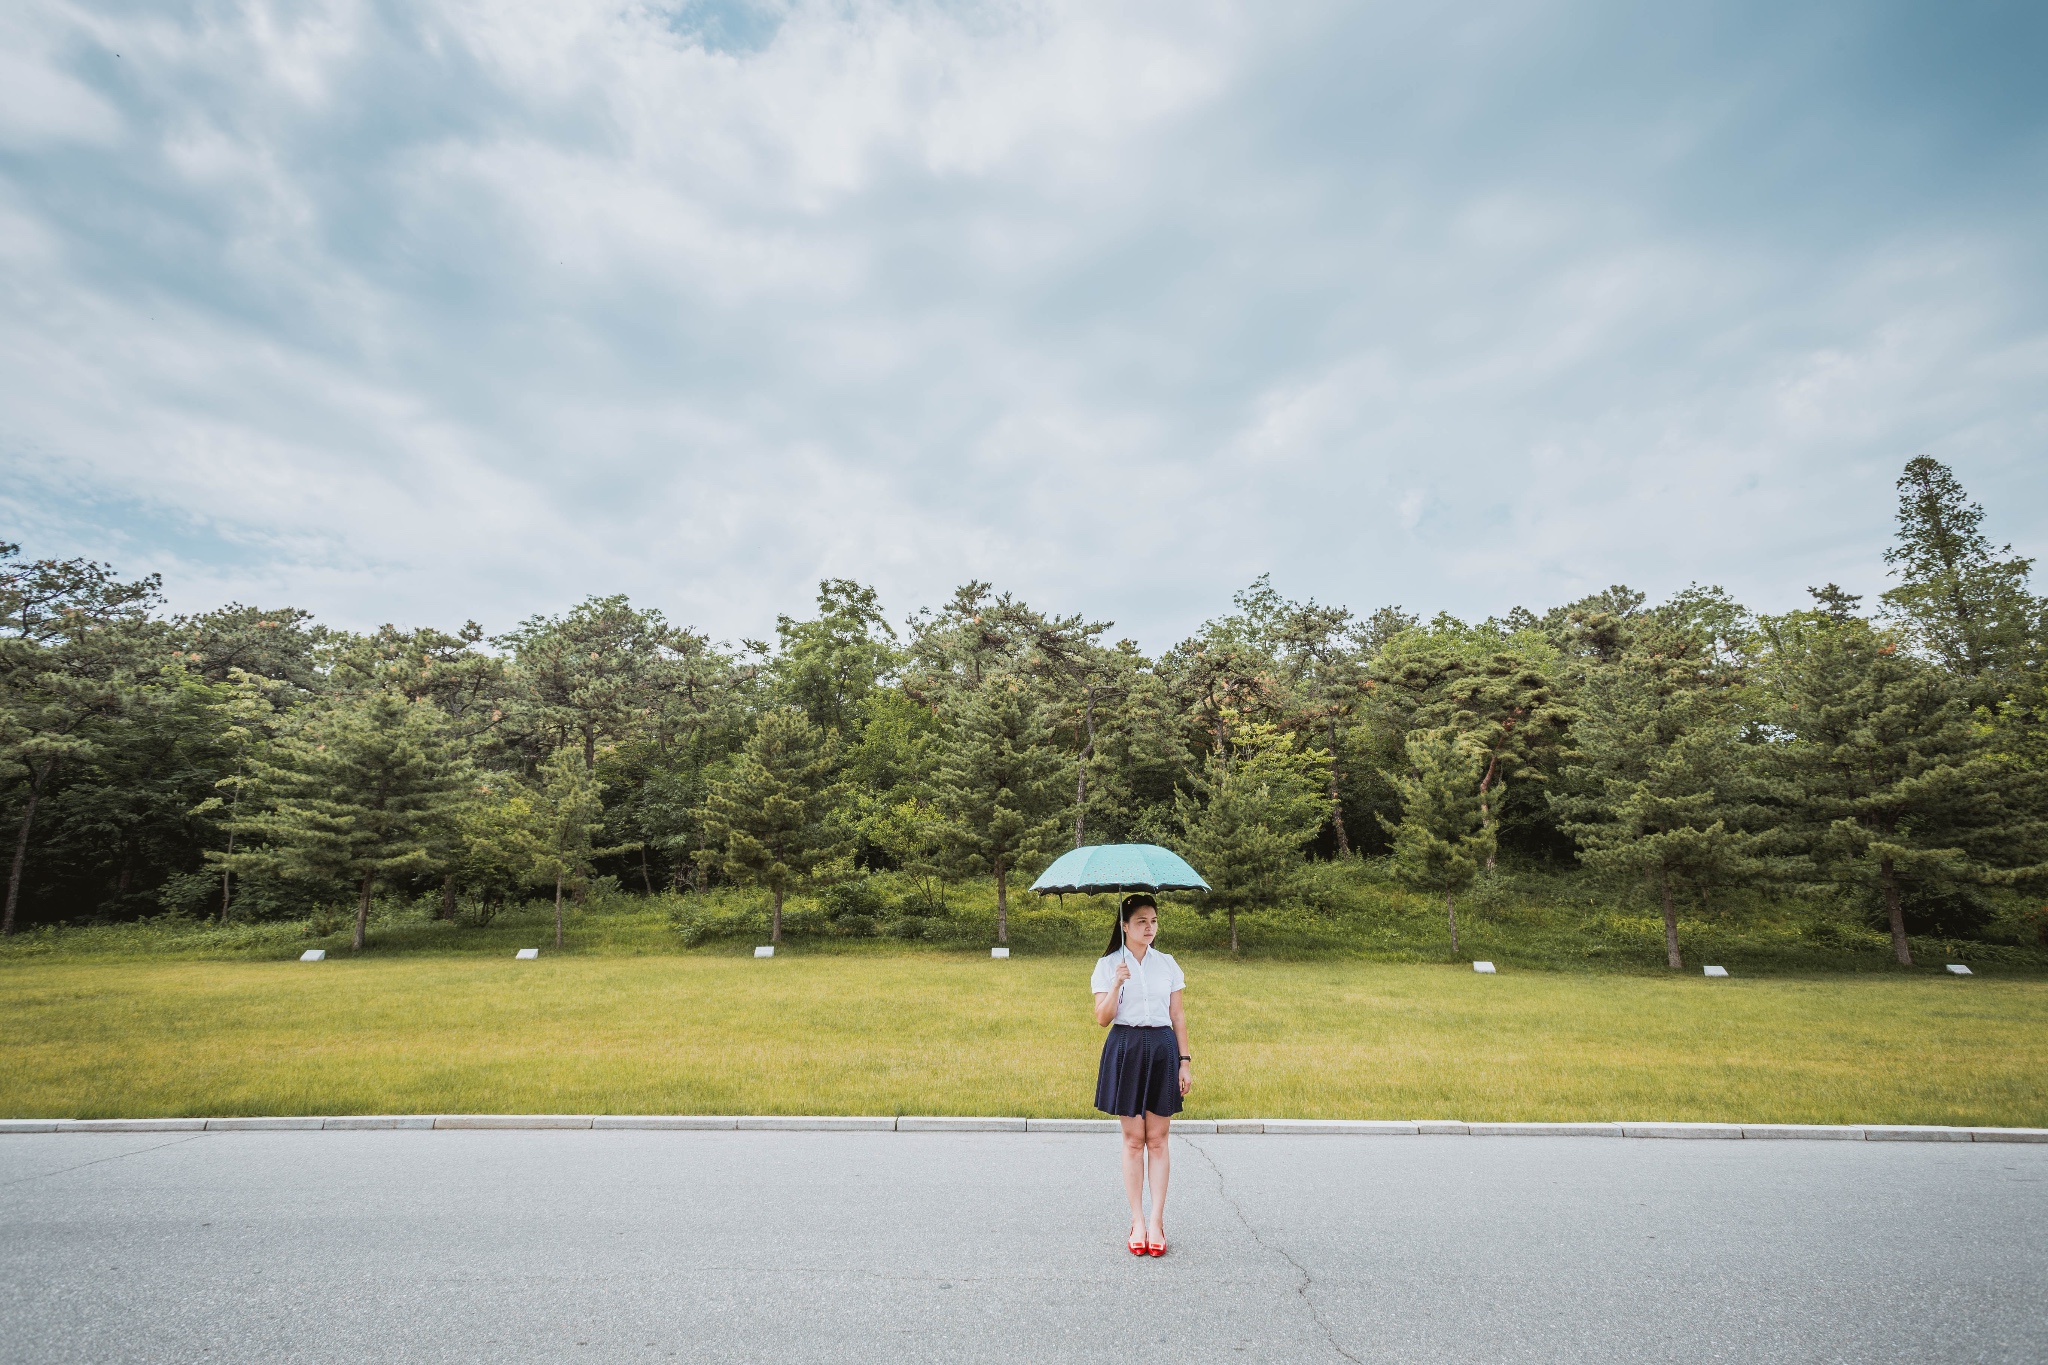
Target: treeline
<point x="250" y="763"/>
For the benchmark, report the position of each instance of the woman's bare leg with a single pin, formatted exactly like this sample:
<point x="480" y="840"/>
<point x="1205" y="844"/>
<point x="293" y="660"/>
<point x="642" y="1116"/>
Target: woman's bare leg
<point x="1134" y="1171"/>
<point x="1160" y="1164"/>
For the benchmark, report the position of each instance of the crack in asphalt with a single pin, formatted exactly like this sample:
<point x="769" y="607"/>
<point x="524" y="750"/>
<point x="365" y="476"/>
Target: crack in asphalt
<point x="101" y="1161"/>
<point x="1307" y="1280"/>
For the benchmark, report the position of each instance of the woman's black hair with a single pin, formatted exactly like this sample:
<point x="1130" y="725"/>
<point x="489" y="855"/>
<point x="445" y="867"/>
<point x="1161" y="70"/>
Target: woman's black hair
<point x="1133" y="903"/>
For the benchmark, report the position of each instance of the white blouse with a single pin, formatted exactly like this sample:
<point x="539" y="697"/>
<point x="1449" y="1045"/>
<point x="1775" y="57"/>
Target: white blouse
<point x="1148" y="993"/>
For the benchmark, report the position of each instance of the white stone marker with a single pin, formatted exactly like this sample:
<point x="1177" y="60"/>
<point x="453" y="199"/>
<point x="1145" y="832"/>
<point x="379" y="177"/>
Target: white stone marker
<point x="1486" y="967"/>
<point x="1717" y="971"/>
<point x="768" y="951"/>
<point x="527" y="954"/>
<point x="999" y="952"/>
<point x="1958" y="969"/>
<point x="313" y="955"/>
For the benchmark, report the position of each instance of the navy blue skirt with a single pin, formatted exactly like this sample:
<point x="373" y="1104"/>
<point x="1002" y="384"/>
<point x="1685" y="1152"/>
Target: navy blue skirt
<point x="1140" y="1072"/>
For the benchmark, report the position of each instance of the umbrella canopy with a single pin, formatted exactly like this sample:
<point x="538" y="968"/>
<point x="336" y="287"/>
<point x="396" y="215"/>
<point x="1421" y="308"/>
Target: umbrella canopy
<point x="1118" y="867"/>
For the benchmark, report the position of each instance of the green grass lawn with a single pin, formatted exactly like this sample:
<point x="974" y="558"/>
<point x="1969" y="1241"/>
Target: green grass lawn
<point x="886" y="1031"/>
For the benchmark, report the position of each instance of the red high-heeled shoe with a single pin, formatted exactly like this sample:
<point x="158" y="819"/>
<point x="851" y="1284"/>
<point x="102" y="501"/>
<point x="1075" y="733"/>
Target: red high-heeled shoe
<point x="1138" y="1246"/>
<point x="1157" y="1248"/>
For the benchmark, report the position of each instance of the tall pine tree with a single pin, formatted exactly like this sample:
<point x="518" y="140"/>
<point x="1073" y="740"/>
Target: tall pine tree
<point x="1896" y="791"/>
<point x="1443" y="837"/>
<point x="569" y="813"/>
<point x="1255" y="808"/>
<point x="769" y="817"/>
<point x="1964" y="602"/>
<point x="1320" y="648"/>
<point x="359" y="792"/>
<point x="72" y="639"/>
<point x="1661" y="789"/>
<point x="1497" y="690"/>
<point x="999" y="783"/>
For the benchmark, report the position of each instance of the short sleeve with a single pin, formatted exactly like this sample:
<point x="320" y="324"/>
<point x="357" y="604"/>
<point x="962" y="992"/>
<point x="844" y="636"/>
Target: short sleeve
<point x="1180" y="980"/>
<point x="1105" y="975"/>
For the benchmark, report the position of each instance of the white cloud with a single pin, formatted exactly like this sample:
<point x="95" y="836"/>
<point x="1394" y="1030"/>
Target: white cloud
<point x="41" y="104"/>
<point x="477" y="309"/>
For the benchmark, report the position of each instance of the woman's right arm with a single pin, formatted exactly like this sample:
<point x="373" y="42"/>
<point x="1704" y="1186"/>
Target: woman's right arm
<point x="1105" y="1001"/>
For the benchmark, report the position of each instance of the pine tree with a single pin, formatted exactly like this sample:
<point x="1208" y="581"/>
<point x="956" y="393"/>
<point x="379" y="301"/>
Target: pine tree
<point x="1442" y="838"/>
<point x="1896" y="789"/>
<point x="1320" y="647"/>
<point x="569" y="812"/>
<point x="359" y="791"/>
<point x="1969" y="607"/>
<point x="1660" y="787"/>
<point x="829" y="665"/>
<point x="502" y="839"/>
<point x="600" y="672"/>
<point x="72" y="638"/>
<point x="1496" y="689"/>
<point x="998" y="783"/>
<point x="1254" y="810"/>
<point x="1067" y="654"/>
<point x="768" y="818"/>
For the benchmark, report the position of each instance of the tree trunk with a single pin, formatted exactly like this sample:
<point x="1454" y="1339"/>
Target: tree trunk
<point x="448" y="897"/>
<point x="775" y="924"/>
<point x="1336" y="806"/>
<point x="226" y="877"/>
<point x="1233" y="928"/>
<point x="1486" y="808"/>
<point x="363" y="910"/>
<point x="558" y="909"/>
<point x="646" y="877"/>
<point x="35" y="792"/>
<point x="590" y="751"/>
<point x="1451" y="910"/>
<point x="370" y="878"/>
<point x="1002" y="902"/>
<point x="1081" y="778"/>
<point x="1670" y="922"/>
<point x="1900" y="950"/>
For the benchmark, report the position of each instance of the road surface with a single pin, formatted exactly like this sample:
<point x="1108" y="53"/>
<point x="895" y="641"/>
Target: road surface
<point x="852" y="1247"/>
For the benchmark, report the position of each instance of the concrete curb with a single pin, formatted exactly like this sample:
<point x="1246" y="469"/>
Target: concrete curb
<point x="514" y="1121"/>
<point x="946" y="1124"/>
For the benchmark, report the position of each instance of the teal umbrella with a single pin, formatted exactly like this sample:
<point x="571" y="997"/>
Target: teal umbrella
<point x="1118" y="867"/>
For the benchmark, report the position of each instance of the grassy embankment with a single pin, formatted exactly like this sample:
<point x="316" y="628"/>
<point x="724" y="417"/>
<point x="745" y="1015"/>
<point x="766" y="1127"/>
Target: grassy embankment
<point x="924" y="1031"/>
<point x="1346" y="911"/>
<point x="1341" y="1005"/>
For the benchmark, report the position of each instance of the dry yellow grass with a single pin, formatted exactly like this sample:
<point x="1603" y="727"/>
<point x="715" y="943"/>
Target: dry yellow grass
<point x="942" y="1034"/>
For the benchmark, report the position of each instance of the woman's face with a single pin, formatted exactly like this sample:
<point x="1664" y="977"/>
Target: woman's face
<point x="1142" y="927"/>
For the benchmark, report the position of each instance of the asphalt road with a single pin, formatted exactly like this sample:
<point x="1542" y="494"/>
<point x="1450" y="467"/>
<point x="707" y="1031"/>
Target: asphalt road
<point x="796" y="1247"/>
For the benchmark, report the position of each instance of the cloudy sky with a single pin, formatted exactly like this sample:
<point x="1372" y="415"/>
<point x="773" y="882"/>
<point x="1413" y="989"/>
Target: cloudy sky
<point x="429" y="309"/>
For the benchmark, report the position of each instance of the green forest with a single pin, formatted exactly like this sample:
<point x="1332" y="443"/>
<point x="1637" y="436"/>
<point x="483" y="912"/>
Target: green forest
<point x="1880" y="766"/>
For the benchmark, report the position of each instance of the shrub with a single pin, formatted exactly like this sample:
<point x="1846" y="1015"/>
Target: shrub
<point x="854" y="908"/>
<point x="1936" y="911"/>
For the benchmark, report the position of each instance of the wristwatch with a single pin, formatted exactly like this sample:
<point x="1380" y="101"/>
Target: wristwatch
<point x="1187" y="1059"/>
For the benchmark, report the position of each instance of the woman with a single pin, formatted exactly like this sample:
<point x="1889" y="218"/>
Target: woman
<point x="1145" y="1059"/>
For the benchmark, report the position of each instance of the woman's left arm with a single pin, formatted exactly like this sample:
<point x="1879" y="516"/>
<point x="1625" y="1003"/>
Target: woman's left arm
<point x="1180" y="1035"/>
